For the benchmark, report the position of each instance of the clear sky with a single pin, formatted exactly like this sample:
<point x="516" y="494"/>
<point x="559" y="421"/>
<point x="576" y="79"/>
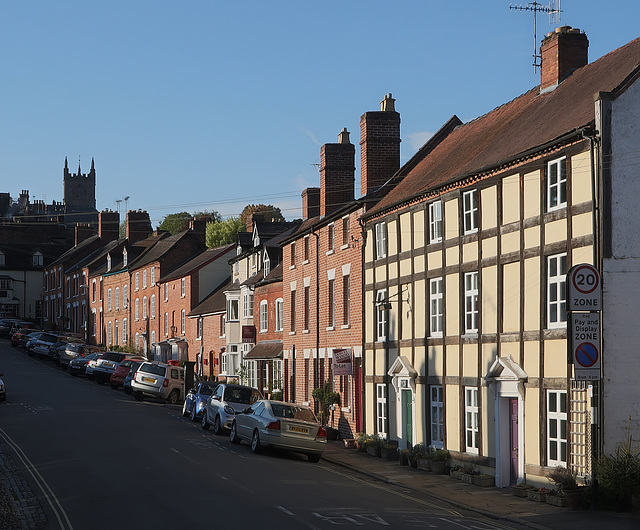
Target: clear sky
<point x="190" y="105"/>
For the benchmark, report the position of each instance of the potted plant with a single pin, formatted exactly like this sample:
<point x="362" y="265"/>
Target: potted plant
<point x="521" y="489"/>
<point x="362" y="441"/>
<point x="556" y="498"/>
<point x="439" y="459"/>
<point x="327" y="398"/>
<point x="404" y="457"/>
<point x="484" y="480"/>
<point x="417" y="452"/>
<point x="389" y="450"/>
<point x="374" y="447"/>
<point x="456" y="472"/>
<point x="538" y="494"/>
<point x="468" y="470"/>
<point x="567" y="482"/>
<point x="619" y="474"/>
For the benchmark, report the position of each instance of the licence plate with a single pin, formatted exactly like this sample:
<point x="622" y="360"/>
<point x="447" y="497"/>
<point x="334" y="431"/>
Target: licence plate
<point x="109" y="365"/>
<point x="296" y="428"/>
<point x="148" y="379"/>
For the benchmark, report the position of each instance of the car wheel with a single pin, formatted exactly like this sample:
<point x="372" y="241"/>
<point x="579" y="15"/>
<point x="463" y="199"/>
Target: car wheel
<point x="193" y="415"/>
<point x="217" y="428"/>
<point x="138" y="396"/>
<point x="204" y="424"/>
<point x="255" y="442"/>
<point x="114" y="386"/>
<point x="233" y="436"/>
<point x="127" y="390"/>
<point x="173" y="397"/>
<point x="314" y="458"/>
<point x="99" y="379"/>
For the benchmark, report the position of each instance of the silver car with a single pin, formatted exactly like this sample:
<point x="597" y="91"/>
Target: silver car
<point x="227" y="400"/>
<point x="282" y="425"/>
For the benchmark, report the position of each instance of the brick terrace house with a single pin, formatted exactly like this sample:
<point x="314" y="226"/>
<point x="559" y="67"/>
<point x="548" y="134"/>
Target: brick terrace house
<point x="466" y="258"/>
<point x="322" y="269"/>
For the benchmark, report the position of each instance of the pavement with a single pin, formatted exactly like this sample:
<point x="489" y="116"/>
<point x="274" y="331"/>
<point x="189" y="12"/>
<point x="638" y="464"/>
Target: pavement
<point x="496" y="503"/>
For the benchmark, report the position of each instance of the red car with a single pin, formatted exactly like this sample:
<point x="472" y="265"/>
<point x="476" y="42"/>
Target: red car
<point x="122" y="370"/>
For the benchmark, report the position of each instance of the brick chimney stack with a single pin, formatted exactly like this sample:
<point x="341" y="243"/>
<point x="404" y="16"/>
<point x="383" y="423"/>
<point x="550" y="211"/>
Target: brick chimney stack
<point x="310" y="203"/>
<point x="199" y="228"/>
<point x="138" y="225"/>
<point x="82" y="231"/>
<point x="108" y="226"/>
<point x="337" y="173"/>
<point x="379" y="145"/>
<point x="562" y="52"/>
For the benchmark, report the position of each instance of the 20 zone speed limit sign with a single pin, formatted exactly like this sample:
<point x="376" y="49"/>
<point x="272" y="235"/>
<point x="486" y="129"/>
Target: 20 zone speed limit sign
<point x="584" y="288"/>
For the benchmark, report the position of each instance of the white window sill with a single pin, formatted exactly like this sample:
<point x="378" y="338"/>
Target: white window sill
<point x="329" y="252"/>
<point x="305" y="331"/>
<point x="330" y="328"/>
<point x="346" y="245"/>
<point x="291" y="267"/>
<point x="345" y="409"/>
<point x="305" y="262"/>
<point x="292" y="333"/>
<point x="345" y="326"/>
<point x="436" y="335"/>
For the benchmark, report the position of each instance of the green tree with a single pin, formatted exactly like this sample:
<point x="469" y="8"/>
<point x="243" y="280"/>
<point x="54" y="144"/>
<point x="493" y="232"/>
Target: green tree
<point x="208" y="215"/>
<point x="175" y="222"/>
<point x="271" y="213"/>
<point x="223" y="232"/>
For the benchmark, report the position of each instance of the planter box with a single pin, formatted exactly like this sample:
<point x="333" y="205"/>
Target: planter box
<point x="456" y="474"/>
<point x="373" y="451"/>
<point x="467" y="478"/>
<point x="485" y="482"/>
<point x="361" y="447"/>
<point x="520" y="491"/>
<point x="556" y="500"/>
<point x="404" y="458"/>
<point x="424" y="464"/>
<point x="536" y="496"/>
<point x="389" y="454"/>
<point x="439" y="467"/>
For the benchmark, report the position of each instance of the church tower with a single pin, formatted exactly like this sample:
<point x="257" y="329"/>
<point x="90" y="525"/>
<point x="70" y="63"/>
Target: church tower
<point x="80" y="195"/>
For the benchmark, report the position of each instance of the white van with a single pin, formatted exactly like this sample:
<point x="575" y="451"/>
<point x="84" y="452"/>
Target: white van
<point x="159" y="380"/>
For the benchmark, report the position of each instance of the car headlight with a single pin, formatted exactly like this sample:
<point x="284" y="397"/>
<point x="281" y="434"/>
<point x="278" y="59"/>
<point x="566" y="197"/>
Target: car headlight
<point x="229" y="410"/>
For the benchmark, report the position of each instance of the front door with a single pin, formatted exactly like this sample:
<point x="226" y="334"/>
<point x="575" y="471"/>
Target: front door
<point x="407" y="417"/>
<point x="513" y="440"/>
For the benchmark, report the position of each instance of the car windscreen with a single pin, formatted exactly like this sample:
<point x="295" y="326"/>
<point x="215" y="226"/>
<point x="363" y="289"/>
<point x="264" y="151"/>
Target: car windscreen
<point x="238" y="395"/>
<point x="152" y="369"/>
<point x="48" y="338"/>
<point x="112" y="356"/>
<point x="283" y="410"/>
<point x="207" y="390"/>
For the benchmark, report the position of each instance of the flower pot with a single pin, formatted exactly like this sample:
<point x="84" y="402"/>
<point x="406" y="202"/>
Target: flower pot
<point x="574" y="498"/>
<point x="556" y="500"/>
<point x="467" y="478"/>
<point x="424" y="464"/>
<point x="404" y="458"/>
<point x="456" y="474"/>
<point x="373" y="450"/>
<point x="389" y="454"/>
<point x="521" y="491"/>
<point x="361" y="447"/>
<point x="484" y="481"/>
<point x="536" y="496"/>
<point x="439" y="467"/>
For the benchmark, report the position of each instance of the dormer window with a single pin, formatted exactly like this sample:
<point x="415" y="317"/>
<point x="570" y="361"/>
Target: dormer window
<point x="266" y="263"/>
<point x="108" y="262"/>
<point x="37" y="259"/>
<point x="124" y="257"/>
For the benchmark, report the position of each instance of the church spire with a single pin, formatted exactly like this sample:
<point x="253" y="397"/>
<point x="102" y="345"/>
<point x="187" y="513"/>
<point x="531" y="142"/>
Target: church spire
<point x="66" y="163"/>
<point x="79" y="170"/>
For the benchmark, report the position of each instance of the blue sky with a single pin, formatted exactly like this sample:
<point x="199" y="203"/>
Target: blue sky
<point x="190" y="105"/>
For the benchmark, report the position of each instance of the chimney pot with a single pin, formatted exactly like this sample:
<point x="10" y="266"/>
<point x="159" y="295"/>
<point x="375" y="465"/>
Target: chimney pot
<point x="562" y="51"/>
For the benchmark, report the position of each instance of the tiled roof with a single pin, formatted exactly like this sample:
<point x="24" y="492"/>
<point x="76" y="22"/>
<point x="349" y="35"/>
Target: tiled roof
<point x="524" y="124"/>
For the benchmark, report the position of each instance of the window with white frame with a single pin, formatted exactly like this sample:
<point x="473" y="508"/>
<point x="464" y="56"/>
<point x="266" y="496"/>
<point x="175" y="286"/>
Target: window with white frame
<point x="381" y="240"/>
<point x="381" y="315"/>
<point x="223" y="325"/>
<point x="183" y="322"/>
<point x="117" y="298"/>
<point x="307" y="307"/>
<point x="144" y="279"/>
<point x="109" y="300"/>
<point x="277" y="375"/>
<point x="306" y="248"/>
<point x="556" y="428"/>
<point x="557" y="291"/>
<point x="233" y="309"/>
<point x="266" y="264"/>
<point x="470" y="211"/>
<point x="381" y="410"/>
<point x="252" y="373"/>
<point x="248" y="304"/>
<point x="166" y="324"/>
<point x="152" y="306"/>
<point x="153" y="275"/>
<point x="200" y="327"/>
<point x="557" y="184"/>
<point x="471" y="302"/>
<point x="331" y="291"/>
<point x="183" y="287"/>
<point x="109" y="333"/>
<point x="436" y="313"/>
<point x="116" y="332"/>
<point x="346" y="299"/>
<point x="166" y="292"/>
<point x="435" y="222"/>
<point x="264" y="316"/>
<point x="472" y="432"/>
<point x="153" y="336"/>
<point x="279" y="314"/>
<point x="137" y="281"/>
<point x="125" y="330"/>
<point x="37" y="259"/>
<point x="345" y="231"/>
<point x="108" y="262"/>
<point x="125" y="257"/>
<point x="437" y="417"/>
<point x="137" y="309"/>
<point x="144" y="308"/>
<point x="231" y="360"/>
<point x="330" y="238"/>
<point x="293" y="312"/>
<point x="125" y="296"/>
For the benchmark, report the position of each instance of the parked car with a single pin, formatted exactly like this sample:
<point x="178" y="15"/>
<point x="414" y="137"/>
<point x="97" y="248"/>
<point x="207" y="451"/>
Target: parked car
<point x="196" y="398"/>
<point x="158" y="380"/>
<point x="5" y="326"/>
<point x="108" y="362"/>
<point x="126" y="385"/>
<point x="21" y="336"/>
<point x="74" y="350"/>
<point x="78" y="366"/>
<point x="56" y="350"/>
<point x="88" y="371"/>
<point x="120" y="373"/>
<point x="3" y="390"/>
<point x="281" y="425"/>
<point x="41" y="344"/>
<point x="227" y="400"/>
<point x="23" y="324"/>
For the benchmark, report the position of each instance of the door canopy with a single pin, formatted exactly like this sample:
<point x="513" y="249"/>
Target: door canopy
<point x="402" y="369"/>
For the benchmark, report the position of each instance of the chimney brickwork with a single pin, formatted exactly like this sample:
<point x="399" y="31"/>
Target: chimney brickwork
<point x="562" y="51"/>
<point x="108" y="226"/>
<point x="310" y="203"/>
<point x="337" y="174"/>
<point x="138" y="225"/>
<point x="379" y="145"/>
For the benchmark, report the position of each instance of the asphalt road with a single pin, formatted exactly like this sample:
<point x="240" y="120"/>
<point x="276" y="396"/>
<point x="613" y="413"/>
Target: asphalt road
<point x="96" y="458"/>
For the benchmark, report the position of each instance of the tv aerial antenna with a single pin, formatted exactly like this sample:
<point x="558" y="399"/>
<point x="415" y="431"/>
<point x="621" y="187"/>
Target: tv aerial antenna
<point x="552" y="9"/>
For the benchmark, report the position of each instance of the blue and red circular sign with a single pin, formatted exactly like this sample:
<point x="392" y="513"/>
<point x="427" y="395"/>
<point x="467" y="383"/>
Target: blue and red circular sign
<point x="586" y="354"/>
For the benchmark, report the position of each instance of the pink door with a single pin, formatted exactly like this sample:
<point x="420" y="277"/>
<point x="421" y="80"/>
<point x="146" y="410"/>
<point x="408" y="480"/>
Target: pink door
<point x="513" y="422"/>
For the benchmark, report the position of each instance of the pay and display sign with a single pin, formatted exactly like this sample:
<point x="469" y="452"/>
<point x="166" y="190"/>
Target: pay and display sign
<point x="585" y="346"/>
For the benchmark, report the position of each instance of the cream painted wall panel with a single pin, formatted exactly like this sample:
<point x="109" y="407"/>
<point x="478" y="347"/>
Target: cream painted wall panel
<point x="368" y="249"/>
<point x="392" y="238"/>
<point x="489" y="353"/>
<point x="489" y="247"/>
<point x="532" y="415"/>
<point x="489" y="300"/>
<point x="370" y="408"/>
<point x="418" y="307"/>
<point x="556" y="231"/>
<point x="380" y="364"/>
<point x="470" y="252"/>
<point x="406" y="237"/>
<point x="532" y="194"/>
<point x="452" y="256"/>
<point x="421" y="416"/>
<point x="532" y="237"/>
<point x="531" y="290"/>
<point x="381" y="273"/>
<point x="532" y="358"/>
<point x="555" y="358"/>
<point x="510" y="242"/>
<point x="368" y="276"/>
<point x="451" y="359"/>
<point x="436" y="360"/>
<point x="393" y="270"/>
<point x="488" y="431"/>
<point x="452" y="417"/>
<point x="582" y="255"/>
<point x="434" y="260"/>
<point x="451" y="219"/>
<point x="451" y="305"/>
<point x="394" y="314"/>
<point x="581" y="225"/>
<point x="489" y="209"/>
<point x="419" y="229"/>
<point x="369" y="298"/>
<point x="370" y="365"/>
<point x="510" y="349"/>
<point x="419" y="263"/>
<point x="405" y="267"/>
<point x="420" y="363"/>
<point x="581" y="178"/>
<point x="511" y="297"/>
<point x="470" y="360"/>
<point x="510" y="199"/>
<point x="405" y="313"/>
